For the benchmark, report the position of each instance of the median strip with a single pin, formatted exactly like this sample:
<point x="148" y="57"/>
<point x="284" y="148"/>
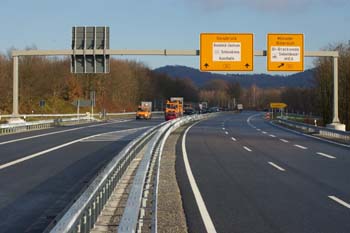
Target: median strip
<point x="339" y="201"/>
<point x="276" y="166"/>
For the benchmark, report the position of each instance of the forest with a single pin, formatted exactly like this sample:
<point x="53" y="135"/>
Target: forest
<point x="129" y="82"/>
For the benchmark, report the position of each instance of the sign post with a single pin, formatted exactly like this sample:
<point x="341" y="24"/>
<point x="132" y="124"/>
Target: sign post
<point x="226" y="52"/>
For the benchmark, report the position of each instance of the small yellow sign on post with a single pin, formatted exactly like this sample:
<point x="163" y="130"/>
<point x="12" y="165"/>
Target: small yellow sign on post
<point x="278" y="105"/>
<point x="226" y="52"/>
<point x="285" y="52"/>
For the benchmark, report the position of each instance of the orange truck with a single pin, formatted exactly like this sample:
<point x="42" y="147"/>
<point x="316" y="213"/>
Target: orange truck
<point x="144" y="110"/>
<point x="174" y="108"/>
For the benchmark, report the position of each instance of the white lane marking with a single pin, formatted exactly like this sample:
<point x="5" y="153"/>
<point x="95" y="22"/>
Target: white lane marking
<point x="284" y="140"/>
<point x="57" y="132"/>
<point x="208" y="223"/>
<point x="223" y="129"/>
<point x="271" y="135"/>
<point x="28" y="157"/>
<point x="247" y="149"/>
<point x="301" y="147"/>
<point x="226" y="132"/>
<point x="326" y="155"/>
<point x="264" y="132"/>
<point x="276" y="166"/>
<point x="233" y="139"/>
<point x="339" y="201"/>
<point x="258" y="129"/>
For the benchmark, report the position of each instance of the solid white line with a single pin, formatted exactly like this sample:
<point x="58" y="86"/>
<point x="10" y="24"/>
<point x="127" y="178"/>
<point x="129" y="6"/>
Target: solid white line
<point x="52" y="133"/>
<point x="208" y="223"/>
<point x="271" y="135"/>
<point x="233" y="139"/>
<point x="301" y="147"/>
<point x="276" y="166"/>
<point x="283" y="140"/>
<point x="326" y="155"/>
<point x="247" y="149"/>
<point x="343" y="203"/>
<point x="28" y="157"/>
<point x="226" y="132"/>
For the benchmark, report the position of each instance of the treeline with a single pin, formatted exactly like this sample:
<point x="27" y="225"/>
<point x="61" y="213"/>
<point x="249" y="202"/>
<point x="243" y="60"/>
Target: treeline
<point x="122" y="89"/>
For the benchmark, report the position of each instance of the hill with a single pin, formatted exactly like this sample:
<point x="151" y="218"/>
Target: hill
<point x="302" y="79"/>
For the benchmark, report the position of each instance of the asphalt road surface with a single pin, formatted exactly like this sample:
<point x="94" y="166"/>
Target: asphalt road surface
<point x="41" y="172"/>
<point x="250" y="177"/>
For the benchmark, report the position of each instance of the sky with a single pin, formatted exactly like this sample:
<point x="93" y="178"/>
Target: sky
<point x="172" y="24"/>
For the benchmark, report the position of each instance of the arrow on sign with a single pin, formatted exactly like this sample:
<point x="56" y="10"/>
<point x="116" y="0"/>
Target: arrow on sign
<point x="247" y="65"/>
<point x="282" y="64"/>
<point x="206" y="65"/>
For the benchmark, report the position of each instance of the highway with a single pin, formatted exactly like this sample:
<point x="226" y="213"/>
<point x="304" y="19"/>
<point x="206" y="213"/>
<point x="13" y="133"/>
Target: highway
<point x="239" y="173"/>
<point x="41" y="172"/>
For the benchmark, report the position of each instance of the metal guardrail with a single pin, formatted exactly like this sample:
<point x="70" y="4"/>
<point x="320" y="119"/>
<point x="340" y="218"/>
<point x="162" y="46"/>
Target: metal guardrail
<point x="83" y="213"/>
<point x="35" y="125"/>
<point x="323" y="131"/>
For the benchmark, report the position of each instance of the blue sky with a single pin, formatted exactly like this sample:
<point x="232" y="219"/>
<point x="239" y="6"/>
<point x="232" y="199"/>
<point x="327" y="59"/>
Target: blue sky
<point x="172" y="24"/>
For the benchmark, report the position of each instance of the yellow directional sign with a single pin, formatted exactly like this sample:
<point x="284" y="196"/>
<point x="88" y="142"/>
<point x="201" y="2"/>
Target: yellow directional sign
<point x="278" y="105"/>
<point x="226" y="52"/>
<point x="285" y="52"/>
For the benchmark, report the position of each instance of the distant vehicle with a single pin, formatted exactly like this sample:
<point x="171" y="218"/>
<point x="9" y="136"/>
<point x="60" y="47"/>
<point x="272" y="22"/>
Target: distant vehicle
<point x="188" y="109"/>
<point x="144" y="110"/>
<point x="174" y="108"/>
<point x="240" y="107"/>
<point x="214" y="109"/>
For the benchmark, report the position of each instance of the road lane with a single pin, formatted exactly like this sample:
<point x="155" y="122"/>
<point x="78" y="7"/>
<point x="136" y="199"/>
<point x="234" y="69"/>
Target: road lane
<point x="245" y="193"/>
<point x="33" y="192"/>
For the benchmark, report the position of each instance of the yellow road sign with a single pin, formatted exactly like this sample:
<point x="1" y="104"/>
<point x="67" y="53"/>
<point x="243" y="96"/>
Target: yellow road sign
<point x="278" y="105"/>
<point x="285" y="52"/>
<point x="226" y="52"/>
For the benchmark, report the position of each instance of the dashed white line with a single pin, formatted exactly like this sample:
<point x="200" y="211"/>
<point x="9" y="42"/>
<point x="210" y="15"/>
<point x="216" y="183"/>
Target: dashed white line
<point x="258" y="129"/>
<point x="277" y="167"/>
<point x="264" y="132"/>
<point x="223" y="129"/>
<point x="339" y="201"/>
<point x="326" y="155"/>
<point x="226" y="132"/>
<point x="271" y="135"/>
<point x="284" y="140"/>
<point x="301" y="147"/>
<point x="247" y="149"/>
<point x="233" y="139"/>
<point x="208" y="223"/>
